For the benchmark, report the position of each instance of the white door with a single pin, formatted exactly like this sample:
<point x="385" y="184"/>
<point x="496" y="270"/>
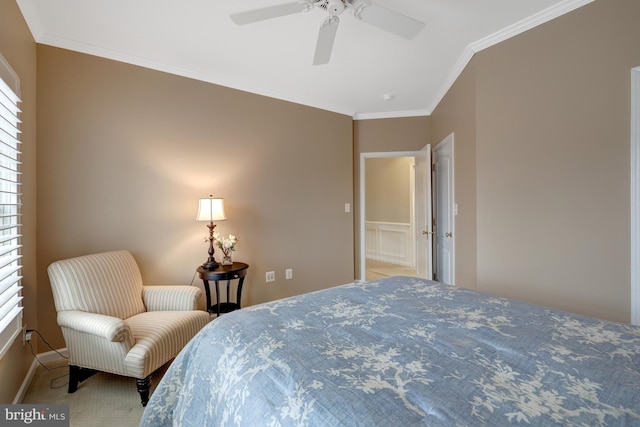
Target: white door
<point x="423" y="214"/>
<point x="444" y="241"/>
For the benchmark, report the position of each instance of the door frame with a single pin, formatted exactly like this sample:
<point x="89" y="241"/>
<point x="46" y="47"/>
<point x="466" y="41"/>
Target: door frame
<point x="450" y="141"/>
<point x="635" y="196"/>
<point x="363" y="157"/>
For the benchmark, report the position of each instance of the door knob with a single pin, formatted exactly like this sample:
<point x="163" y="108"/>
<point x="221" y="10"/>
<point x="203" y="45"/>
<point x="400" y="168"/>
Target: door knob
<point x="427" y="233"/>
<point x="448" y="234"/>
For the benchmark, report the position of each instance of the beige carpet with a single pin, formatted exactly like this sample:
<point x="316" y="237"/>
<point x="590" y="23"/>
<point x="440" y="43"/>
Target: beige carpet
<point x="102" y="400"/>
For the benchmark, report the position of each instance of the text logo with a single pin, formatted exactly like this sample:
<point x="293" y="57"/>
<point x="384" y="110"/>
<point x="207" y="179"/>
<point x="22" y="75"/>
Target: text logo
<point x="34" y="415"/>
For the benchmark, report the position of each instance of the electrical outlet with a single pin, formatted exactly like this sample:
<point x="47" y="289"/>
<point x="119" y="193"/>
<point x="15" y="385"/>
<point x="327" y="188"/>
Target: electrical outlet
<point x="26" y="335"/>
<point x="288" y="273"/>
<point x="271" y="276"/>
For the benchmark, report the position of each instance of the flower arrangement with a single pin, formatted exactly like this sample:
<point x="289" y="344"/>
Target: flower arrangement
<point x="226" y="245"/>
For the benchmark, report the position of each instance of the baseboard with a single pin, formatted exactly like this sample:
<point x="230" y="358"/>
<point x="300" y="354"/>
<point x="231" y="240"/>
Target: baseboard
<point x="44" y="358"/>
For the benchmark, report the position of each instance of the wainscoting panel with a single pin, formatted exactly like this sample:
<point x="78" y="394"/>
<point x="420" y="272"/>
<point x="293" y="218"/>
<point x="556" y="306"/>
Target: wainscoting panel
<point x="389" y="242"/>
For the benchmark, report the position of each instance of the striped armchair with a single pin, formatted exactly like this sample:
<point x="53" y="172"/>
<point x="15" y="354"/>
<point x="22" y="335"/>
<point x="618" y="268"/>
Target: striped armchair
<point x="112" y="323"/>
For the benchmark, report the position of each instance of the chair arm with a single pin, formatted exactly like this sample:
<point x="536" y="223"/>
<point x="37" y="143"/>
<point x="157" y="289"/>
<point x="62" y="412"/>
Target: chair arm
<point x="107" y="327"/>
<point x="171" y="298"/>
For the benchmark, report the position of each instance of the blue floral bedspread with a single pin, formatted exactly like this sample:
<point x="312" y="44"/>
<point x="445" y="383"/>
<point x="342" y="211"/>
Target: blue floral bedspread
<point x="400" y="352"/>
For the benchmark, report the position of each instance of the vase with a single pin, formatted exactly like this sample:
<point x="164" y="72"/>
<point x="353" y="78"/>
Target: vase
<point x="226" y="260"/>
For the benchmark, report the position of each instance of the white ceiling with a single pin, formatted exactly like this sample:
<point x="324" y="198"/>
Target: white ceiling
<point x="196" y="39"/>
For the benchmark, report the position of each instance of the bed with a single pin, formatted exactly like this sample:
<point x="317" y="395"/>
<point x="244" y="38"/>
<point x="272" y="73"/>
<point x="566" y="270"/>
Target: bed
<point x="402" y="351"/>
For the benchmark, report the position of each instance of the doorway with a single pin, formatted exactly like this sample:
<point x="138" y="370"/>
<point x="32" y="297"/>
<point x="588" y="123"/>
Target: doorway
<point x="395" y="214"/>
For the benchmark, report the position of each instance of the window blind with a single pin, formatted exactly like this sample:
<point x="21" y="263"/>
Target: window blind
<point x="10" y="197"/>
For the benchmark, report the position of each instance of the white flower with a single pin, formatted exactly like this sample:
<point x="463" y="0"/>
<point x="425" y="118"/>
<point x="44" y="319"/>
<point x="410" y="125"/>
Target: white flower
<point x="227" y="244"/>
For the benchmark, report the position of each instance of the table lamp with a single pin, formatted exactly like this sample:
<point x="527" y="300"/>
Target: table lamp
<point x="211" y="209"/>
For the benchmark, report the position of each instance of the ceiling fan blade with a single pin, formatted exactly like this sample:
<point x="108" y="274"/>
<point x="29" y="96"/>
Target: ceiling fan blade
<point x="388" y="20"/>
<point x="326" y="37"/>
<point x="269" y="12"/>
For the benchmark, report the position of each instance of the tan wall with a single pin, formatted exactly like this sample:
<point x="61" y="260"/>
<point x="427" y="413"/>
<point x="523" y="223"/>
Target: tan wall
<point x="552" y="113"/>
<point x="126" y="152"/>
<point x="388" y="189"/>
<point x="19" y="49"/>
<point x="383" y="135"/>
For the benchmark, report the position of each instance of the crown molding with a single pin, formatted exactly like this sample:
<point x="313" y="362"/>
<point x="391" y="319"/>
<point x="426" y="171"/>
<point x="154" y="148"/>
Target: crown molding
<point x="28" y="10"/>
<point x="457" y="69"/>
<point x="391" y="114"/>
<point x="532" y="21"/>
<point x="219" y="80"/>
<point x="520" y="27"/>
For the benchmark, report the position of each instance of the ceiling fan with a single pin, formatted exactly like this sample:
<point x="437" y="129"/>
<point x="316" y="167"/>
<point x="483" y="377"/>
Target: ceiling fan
<point x="363" y="10"/>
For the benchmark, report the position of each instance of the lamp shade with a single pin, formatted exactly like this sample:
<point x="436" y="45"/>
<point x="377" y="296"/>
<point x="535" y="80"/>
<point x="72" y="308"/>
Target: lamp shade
<point x="211" y="209"/>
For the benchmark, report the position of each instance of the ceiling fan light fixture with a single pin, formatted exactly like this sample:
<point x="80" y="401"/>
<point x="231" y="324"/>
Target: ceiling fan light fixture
<point x="363" y="10"/>
<point x="335" y="7"/>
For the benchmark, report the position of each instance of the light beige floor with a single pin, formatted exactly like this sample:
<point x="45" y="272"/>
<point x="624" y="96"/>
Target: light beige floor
<point x="378" y="269"/>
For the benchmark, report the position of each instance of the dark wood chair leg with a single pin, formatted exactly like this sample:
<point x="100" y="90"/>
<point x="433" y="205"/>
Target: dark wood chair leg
<point x="143" y="388"/>
<point x="77" y="375"/>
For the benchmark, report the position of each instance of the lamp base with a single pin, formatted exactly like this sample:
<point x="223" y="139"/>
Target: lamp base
<point x="210" y="265"/>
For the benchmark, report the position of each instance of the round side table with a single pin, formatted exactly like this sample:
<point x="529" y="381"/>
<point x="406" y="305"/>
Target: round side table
<point x="237" y="271"/>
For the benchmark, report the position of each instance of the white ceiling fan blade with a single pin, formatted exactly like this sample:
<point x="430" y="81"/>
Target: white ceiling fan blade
<point x="269" y="12"/>
<point x="388" y="20"/>
<point x="326" y="37"/>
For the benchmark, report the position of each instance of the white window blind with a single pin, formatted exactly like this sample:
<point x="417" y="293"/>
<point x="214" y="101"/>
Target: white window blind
<point x="10" y="253"/>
